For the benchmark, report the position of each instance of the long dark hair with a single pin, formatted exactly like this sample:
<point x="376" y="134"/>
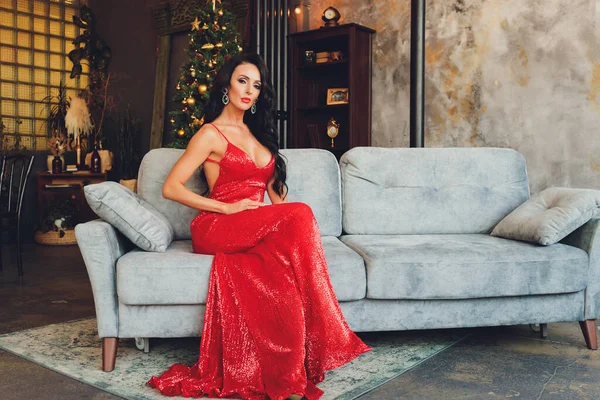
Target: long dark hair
<point x="262" y="124"/>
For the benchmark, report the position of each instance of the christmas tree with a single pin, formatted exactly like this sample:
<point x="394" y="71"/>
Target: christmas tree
<point x="213" y="40"/>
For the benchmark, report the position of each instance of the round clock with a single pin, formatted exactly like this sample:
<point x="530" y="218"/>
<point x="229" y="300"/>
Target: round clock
<point x="333" y="128"/>
<point x="331" y="16"/>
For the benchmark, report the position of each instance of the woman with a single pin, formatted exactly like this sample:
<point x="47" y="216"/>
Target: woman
<point x="272" y="325"/>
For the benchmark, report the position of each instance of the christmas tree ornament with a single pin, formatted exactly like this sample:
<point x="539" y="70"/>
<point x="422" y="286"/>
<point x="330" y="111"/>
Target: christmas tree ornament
<point x="205" y="27"/>
<point x="202" y="120"/>
<point x="190" y="101"/>
<point x="210" y="64"/>
<point x="196" y="25"/>
<point x="172" y="120"/>
<point x="193" y="74"/>
<point x="220" y="13"/>
<point x="208" y="46"/>
<point x="219" y="45"/>
<point x="178" y="86"/>
<point x="181" y="133"/>
<point x="216" y="27"/>
<point x="224" y="27"/>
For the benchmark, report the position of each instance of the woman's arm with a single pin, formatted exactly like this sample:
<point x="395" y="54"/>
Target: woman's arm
<point x="275" y="198"/>
<point x="199" y="148"/>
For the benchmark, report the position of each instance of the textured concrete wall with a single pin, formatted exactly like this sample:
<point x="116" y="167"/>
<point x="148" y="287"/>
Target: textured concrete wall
<point x="523" y="74"/>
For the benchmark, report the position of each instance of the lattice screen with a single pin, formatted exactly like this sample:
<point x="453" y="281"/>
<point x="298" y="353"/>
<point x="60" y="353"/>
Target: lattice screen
<point x="35" y="38"/>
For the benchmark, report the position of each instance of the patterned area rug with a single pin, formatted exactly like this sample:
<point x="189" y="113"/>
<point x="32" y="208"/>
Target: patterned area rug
<point x="73" y="349"/>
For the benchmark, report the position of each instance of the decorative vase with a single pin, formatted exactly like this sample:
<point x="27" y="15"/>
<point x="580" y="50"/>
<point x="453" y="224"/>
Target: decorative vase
<point x="106" y="160"/>
<point x="96" y="162"/>
<point x="50" y="160"/>
<point x="57" y="165"/>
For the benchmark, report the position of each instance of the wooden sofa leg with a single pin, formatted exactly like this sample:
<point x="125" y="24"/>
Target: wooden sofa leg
<point x="588" y="327"/>
<point x="109" y="353"/>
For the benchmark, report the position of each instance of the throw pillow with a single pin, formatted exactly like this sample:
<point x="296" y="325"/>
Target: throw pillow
<point x="550" y="215"/>
<point x="135" y="218"/>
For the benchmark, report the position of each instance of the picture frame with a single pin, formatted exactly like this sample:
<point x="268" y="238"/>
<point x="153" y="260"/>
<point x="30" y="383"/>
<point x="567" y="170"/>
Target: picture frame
<point x="337" y="96"/>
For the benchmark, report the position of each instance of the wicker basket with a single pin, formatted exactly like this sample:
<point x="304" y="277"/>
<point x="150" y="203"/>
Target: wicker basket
<point x="52" y="238"/>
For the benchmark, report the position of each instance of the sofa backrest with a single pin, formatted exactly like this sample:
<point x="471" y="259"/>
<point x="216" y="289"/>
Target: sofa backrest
<point x="430" y="190"/>
<point x="313" y="178"/>
<point x="153" y="171"/>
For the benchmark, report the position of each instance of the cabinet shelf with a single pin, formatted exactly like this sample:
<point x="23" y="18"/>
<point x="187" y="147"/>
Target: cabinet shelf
<point x="322" y="65"/>
<point x="323" y="107"/>
<point x="309" y="84"/>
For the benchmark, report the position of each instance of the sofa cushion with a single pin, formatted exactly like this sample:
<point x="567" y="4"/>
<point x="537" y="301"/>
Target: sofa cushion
<point x="138" y="220"/>
<point x="179" y="276"/>
<point x="154" y="168"/>
<point x="313" y="177"/>
<point x="466" y="266"/>
<point x="430" y="190"/>
<point x="550" y="215"/>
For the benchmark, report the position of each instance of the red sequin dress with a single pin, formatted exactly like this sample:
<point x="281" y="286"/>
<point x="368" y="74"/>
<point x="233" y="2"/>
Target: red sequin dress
<point x="272" y="325"/>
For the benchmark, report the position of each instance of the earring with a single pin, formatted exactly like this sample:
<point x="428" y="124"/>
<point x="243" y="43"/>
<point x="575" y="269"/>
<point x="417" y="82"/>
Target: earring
<point x="225" y="98"/>
<point x="253" y="108"/>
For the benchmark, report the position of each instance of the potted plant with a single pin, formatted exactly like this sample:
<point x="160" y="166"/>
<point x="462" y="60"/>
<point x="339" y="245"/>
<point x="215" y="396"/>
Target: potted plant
<point x="127" y="147"/>
<point x="57" y="146"/>
<point x="57" y="106"/>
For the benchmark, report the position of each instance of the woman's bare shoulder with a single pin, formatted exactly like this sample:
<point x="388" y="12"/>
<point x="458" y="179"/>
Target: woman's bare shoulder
<point x="206" y="135"/>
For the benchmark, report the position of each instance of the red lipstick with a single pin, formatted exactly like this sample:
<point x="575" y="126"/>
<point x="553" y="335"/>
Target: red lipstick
<point x="246" y="100"/>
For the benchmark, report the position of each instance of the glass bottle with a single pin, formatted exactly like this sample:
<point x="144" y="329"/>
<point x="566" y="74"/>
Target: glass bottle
<point x="96" y="161"/>
<point x="57" y="165"/>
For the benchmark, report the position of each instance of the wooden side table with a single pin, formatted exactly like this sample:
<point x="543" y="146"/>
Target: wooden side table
<point x="64" y="186"/>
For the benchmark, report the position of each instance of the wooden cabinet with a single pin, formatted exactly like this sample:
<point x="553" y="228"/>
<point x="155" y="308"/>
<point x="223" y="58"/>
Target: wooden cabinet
<point x="66" y="185"/>
<point x="312" y="76"/>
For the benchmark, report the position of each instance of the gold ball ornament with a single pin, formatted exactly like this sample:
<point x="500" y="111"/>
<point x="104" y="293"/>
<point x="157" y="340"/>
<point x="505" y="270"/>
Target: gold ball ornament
<point x="220" y="12"/>
<point x="181" y="133"/>
<point x="193" y="73"/>
<point x="219" y="45"/>
<point x="224" y="27"/>
<point x="178" y="86"/>
<point x="172" y="120"/>
<point x="191" y="101"/>
<point x="210" y="64"/>
<point x="208" y="46"/>
<point x="202" y="89"/>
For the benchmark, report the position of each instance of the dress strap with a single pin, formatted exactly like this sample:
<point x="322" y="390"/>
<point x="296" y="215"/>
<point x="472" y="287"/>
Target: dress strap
<point x="218" y="130"/>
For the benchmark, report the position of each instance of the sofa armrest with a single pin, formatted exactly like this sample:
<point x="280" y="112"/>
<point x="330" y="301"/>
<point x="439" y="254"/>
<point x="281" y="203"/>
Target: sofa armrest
<point x="101" y="245"/>
<point x="587" y="238"/>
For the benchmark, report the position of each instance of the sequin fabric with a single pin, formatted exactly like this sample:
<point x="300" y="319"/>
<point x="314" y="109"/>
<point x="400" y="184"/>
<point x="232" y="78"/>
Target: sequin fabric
<point x="272" y="325"/>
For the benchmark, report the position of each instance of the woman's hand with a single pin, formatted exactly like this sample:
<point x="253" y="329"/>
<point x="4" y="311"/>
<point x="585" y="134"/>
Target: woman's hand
<point x="242" y="205"/>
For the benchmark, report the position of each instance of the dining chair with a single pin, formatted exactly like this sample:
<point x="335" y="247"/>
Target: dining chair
<point x="14" y="175"/>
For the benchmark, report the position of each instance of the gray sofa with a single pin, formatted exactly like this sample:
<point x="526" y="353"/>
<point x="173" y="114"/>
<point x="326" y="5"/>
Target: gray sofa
<point x="406" y="236"/>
